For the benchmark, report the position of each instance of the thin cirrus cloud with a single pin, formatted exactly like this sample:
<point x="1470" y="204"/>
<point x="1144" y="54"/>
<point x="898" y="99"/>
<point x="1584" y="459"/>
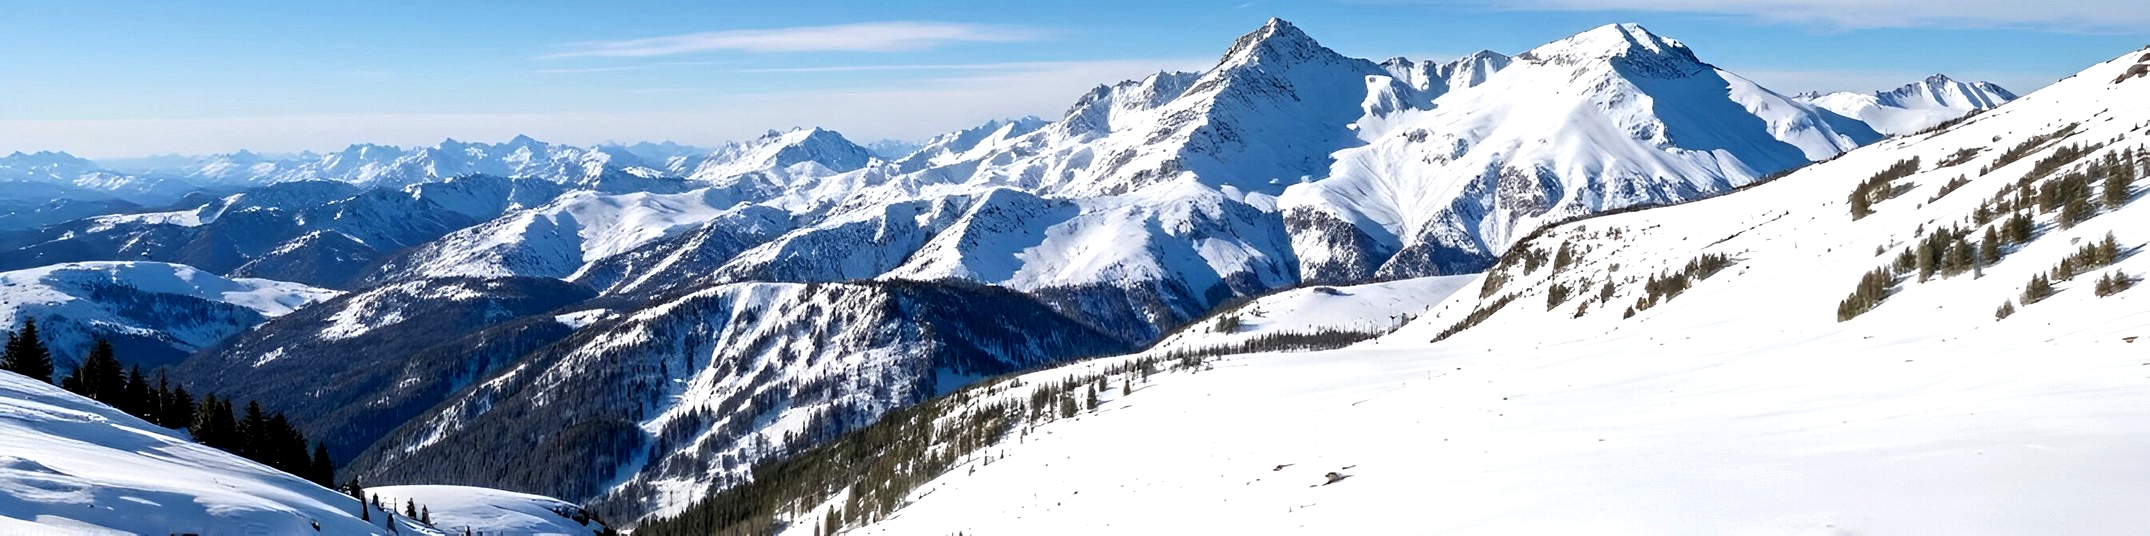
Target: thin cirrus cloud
<point x="860" y="37"/>
<point x="2086" y="16"/>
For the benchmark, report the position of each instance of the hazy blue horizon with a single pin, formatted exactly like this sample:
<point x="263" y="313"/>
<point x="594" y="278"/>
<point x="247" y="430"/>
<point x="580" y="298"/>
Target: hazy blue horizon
<point x="130" y="79"/>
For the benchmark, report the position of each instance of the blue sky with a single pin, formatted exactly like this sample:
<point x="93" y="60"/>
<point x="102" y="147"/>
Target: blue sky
<point x="119" y="79"/>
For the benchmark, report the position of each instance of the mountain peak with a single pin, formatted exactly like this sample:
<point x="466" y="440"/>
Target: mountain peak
<point x="1278" y="40"/>
<point x="1628" y="46"/>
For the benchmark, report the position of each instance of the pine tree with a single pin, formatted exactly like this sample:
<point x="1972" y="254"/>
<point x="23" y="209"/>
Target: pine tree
<point x="323" y="471"/>
<point x="139" y="400"/>
<point x="2019" y="228"/>
<point x="425" y="515"/>
<point x="255" y="439"/>
<point x="2007" y="308"/>
<point x="1989" y="247"/>
<point x="99" y="377"/>
<point x="25" y="353"/>
<point x="410" y="508"/>
<point x="2118" y="177"/>
<point x="178" y="409"/>
<point x="2039" y="288"/>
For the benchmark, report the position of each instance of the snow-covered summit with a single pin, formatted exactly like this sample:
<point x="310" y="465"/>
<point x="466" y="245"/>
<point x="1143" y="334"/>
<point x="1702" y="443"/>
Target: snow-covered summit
<point x="1628" y="46"/>
<point x="1915" y="106"/>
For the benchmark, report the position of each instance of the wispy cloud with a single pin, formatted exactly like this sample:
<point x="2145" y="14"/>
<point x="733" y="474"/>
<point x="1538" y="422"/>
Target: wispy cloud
<point x="861" y="37"/>
<point x="1001" y="66"/>
<point x="2087" y="16"/>
<point x="618" y="68"/>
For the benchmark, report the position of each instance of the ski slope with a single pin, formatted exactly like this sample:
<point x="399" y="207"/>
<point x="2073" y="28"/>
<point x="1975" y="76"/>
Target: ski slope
<point x="72" y="466"/>
<point x="1741" y="406"/>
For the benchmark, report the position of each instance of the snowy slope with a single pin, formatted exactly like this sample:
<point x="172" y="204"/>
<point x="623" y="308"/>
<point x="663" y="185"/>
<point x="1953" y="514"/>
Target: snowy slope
<point x="647" y="409"/>
<point x="56" y="175"/>
<point x="1153" y="201"/>
<point x="1371" y="309"/>
<point x="1610" y="118"/>
<point x="1741" y="405"/>
<point x="153" y="312"/>
<point x="378" y="356"/>
<point x="481" y="510"/>
<point x="1916" y="106"/>
<point x="69" y="465"/>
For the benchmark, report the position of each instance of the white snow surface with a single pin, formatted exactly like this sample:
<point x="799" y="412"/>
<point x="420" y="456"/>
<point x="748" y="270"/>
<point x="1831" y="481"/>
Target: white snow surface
<point x="1368" y="308"/>
<point x="1185" y="180"/>
<point x="69" y="465"/>
<point x="1741" y="406"/>
<point x="65" y="291"/>
<point x="1916" y="106"/>
<point x="489" y="511"/>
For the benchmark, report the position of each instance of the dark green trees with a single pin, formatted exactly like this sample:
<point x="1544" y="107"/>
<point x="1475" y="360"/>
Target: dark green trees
<point x="100" y="377"/>
<point x="26" y="354"/>
<point x="322" y="471"/>
<point x="2119" y="175"/>
<point x="1880" y="187"/>
<point x="1873" y="287"/>
<point x="2113" y="283"/>
<point x="2040" y="287"/>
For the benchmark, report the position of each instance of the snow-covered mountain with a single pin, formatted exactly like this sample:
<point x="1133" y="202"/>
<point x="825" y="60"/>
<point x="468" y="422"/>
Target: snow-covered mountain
<point x="1770" y="360"/>
<point x="1916" y="106"/>
<point x="891" y="149"/>
<point x="1285" y="163"/>
<point x="69" y="465"/>
<point x="317" y="232"/>
<point x="154" y="313"/>
<point x="48" y="175"/>
<point x="642" y="407"/>
<point x="609" y="166"/>
<point x="376" y="357"/>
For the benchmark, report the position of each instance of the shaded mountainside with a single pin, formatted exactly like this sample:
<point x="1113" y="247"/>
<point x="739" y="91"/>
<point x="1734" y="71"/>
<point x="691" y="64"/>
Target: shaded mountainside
<point x="350" y="369"/>
<point x="682" y="397"/>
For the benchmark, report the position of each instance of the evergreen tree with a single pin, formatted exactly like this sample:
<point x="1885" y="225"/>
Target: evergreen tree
<point x="1926" y="258"/>
<point x="99" y="377"/>
<point x="2019" y="228"/>
<point x="1959" y="257"/>
<point x="1989" y="247"/>
<point x="25" y="354"/>
<point x="425" y="515"/>
<point x="2119" y="176"/>
<point x="2039" y="288"/>
<point x="323" y="471"/>
<point x="215" y="426"/>
<point x="255" y="438"/>
<point x="178" y="409"/>
<point x="410" y="508"/>
<point x="139" y="400"/>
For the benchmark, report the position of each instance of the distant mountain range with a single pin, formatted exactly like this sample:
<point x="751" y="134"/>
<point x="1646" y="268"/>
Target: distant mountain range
<point x="704" y="310"/>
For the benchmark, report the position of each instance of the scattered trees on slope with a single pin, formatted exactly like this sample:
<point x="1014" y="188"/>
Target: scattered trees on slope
<point x="1880" y="187"/>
